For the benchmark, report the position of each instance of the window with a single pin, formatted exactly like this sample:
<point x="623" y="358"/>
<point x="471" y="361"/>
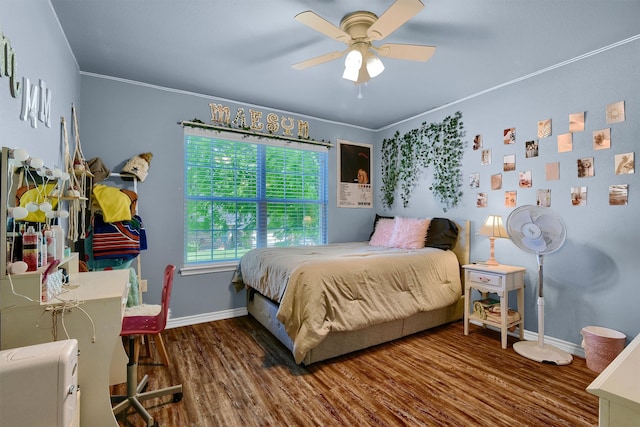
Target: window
<point x="241" y="193"/>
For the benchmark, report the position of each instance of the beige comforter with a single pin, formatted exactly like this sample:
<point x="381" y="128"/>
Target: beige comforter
<point x="348" y="286"/>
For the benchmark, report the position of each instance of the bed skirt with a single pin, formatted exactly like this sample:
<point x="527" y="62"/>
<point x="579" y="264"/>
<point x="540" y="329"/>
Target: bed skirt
<point x="339" y="343"/>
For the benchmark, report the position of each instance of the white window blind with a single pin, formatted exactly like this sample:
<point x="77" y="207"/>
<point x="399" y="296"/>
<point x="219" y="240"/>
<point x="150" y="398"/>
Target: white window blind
<point x="242" y="192"/>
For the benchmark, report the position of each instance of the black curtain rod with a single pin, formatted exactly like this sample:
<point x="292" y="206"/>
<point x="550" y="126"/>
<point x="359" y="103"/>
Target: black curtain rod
<point x="187" y="123"/>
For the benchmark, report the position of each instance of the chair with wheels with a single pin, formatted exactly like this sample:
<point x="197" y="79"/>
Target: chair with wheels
<point x="134" y="327"/>
<point x="148" y="310"/>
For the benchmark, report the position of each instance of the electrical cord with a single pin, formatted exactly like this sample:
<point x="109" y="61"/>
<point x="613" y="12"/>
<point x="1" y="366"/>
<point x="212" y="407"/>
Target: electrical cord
<point x="13" y="291"/>
<point x="59" y="310"/>
<point x="56" y="309"/>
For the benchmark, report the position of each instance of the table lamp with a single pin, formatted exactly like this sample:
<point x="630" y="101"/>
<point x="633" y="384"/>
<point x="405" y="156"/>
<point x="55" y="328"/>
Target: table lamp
<point x="493" y="228"/>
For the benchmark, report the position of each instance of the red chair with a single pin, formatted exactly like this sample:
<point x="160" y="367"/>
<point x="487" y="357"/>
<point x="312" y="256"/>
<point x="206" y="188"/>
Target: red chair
<point x="146" y="311"/>
<point x="134" y="327"/>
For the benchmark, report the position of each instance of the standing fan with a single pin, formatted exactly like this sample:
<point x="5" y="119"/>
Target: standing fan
<point x="538" y="230"/>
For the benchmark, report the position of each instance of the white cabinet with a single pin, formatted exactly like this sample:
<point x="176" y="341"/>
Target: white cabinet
<point x="618" y="388"/>
<point x="40" y="385"/>
<point x="90" y="311"/>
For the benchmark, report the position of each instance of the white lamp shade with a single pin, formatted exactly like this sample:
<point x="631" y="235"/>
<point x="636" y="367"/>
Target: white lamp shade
<point x="352" y="64"/>
<point x="374" y="65"/>
<point x="493" y="227"/>
<point x="351" y="74"/>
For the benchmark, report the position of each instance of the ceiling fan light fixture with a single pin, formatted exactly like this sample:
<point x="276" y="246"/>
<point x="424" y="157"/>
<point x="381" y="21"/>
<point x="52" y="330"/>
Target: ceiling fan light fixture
<point x="352" y="64"/>
<point x="358" y="30"/>
<point x="374" y="65"/>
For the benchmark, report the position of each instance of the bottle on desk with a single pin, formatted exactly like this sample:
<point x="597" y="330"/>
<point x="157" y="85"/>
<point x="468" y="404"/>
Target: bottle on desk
<point x="30" y="249"/>
<point x="51" y="246"/>
<point x="58" y="233"/>
<point x="14" y="246"/>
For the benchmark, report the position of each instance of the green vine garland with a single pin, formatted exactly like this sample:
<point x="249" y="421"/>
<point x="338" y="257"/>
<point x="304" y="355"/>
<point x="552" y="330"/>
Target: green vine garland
<point x="404" y="157"/>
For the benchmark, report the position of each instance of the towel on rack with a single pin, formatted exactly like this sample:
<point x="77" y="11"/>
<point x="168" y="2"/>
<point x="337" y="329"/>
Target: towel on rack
<point x="114" y="204"/>
<point x="121" y="239"/>
<point x="36" y="194"/>
<point x="134" y="291"/>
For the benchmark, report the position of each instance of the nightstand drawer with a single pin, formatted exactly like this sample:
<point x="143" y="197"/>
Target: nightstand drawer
<point x="489" y="280"/>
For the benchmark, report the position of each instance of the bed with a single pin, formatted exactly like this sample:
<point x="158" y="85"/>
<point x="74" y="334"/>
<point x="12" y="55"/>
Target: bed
<point x="325" y="301"/>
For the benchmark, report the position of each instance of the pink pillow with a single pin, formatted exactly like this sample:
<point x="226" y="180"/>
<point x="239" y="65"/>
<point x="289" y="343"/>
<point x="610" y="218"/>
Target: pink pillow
<point x="409" y="233"/>
<point x="383" y="232"/>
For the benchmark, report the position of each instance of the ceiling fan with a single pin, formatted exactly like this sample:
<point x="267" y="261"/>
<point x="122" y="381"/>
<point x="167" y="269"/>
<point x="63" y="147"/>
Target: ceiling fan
<point x="358" y="30"/>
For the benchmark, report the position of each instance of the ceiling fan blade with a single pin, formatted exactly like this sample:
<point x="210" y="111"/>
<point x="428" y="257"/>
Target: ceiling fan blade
<point x="318" y="60"/>
<point x="411" y="52"/>
<point x="397" y="14"/>
<point x="323" y="26"/>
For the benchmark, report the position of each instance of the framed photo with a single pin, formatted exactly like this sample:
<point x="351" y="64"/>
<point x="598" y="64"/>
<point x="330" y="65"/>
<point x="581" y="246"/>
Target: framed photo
<point x="481" y="200"/>
<point x="510" y="199"/>
<point x="543" y="197"/>
<point x="509" y="163"/>
<point x="602" y="139"/>
<point x="485" y="158"/>
<point x="618" y="194"/>
<point x="496" y="181"/>
<point x="625" y="163"/>
<point x="477" y="142"/>
<point x="544" y="128"/>
<point x="509" y="135"/>
<point x="474" y="180"/>
<point x="354" y="175"/>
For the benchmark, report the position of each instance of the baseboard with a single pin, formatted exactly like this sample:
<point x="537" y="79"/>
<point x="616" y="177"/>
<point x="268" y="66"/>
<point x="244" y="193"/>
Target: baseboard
<point x="206" y="317"/>
<point x="572" y="348"/>
<point x="569" y="347"/>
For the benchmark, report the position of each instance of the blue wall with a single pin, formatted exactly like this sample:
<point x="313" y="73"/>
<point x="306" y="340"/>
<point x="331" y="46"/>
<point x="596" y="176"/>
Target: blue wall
<point x="42" y="53"/>
<point x="590" y="281"/>
<point x="121" y="119"/>
<point x="593" y="278"/>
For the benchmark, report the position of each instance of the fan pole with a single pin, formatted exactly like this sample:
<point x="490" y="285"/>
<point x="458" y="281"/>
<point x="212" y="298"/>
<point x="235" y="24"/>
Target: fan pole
<point x="540" y="303"/>
<point x="541" y="352"/>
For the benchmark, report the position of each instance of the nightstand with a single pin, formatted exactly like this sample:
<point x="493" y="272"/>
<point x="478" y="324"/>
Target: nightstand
<point x="499" y="279"/>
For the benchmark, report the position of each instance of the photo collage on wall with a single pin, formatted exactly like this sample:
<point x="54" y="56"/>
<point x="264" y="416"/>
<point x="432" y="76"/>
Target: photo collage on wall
<point x="624" y="163"/>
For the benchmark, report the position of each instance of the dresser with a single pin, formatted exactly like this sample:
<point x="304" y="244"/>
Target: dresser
<point x="618" y="388"/>
<point x="90" y="310"/>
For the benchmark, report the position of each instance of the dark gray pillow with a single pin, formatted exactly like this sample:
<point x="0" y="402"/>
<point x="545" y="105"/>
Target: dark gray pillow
<point x="442" y="234"/>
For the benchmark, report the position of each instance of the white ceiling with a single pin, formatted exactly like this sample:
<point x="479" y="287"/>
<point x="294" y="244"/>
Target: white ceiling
<point x="242" y="50"/>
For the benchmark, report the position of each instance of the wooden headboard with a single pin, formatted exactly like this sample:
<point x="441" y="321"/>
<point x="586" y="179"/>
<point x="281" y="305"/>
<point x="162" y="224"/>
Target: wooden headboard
<point x="463" y="243"/>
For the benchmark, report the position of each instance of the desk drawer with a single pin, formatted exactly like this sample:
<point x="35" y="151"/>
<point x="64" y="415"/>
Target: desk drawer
<point x="486" y="279"/>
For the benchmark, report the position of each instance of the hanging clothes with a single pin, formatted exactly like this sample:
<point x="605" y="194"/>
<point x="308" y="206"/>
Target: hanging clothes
<point x="120" y="239"/>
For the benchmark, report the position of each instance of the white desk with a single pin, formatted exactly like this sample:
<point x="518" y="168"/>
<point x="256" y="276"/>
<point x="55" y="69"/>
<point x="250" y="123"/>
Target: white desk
<point x="102" y="294"/>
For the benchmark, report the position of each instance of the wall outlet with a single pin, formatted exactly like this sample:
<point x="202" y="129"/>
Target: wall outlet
<point x="143" y="285"/>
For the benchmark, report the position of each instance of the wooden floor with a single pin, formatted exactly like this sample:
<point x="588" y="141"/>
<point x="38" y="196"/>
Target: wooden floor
<point x="234" y="373"/>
